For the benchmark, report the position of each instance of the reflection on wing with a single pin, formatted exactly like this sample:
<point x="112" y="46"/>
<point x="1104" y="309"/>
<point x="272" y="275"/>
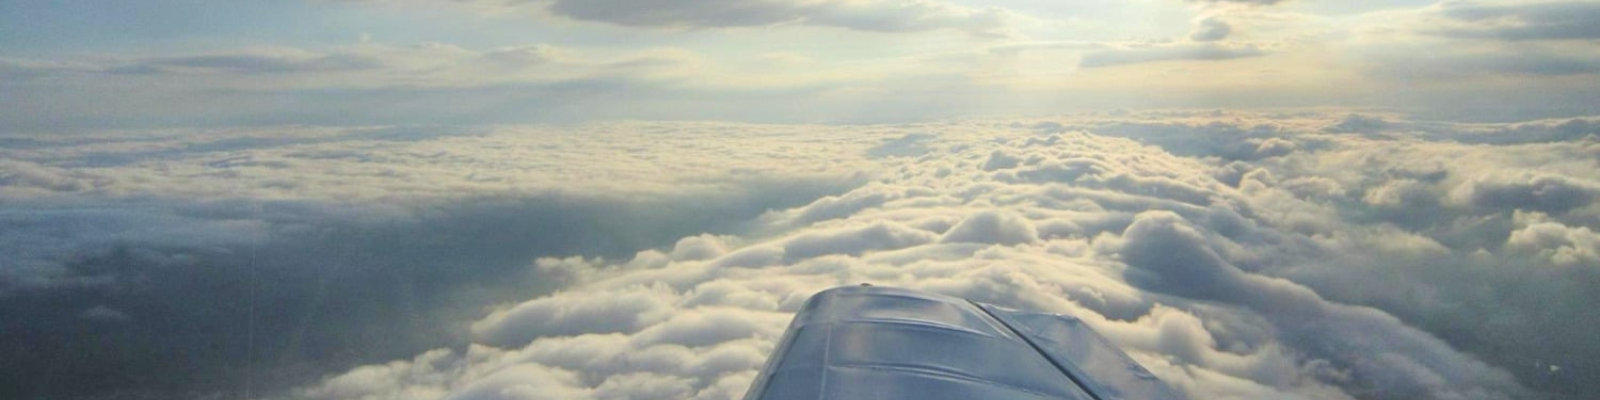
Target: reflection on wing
<point x="863" y="342"/>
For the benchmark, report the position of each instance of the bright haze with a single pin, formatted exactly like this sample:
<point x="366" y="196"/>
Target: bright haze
<point x="628" y="199"/>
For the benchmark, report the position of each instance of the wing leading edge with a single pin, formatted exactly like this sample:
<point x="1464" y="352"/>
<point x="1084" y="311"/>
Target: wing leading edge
<point x="868" y="342"/>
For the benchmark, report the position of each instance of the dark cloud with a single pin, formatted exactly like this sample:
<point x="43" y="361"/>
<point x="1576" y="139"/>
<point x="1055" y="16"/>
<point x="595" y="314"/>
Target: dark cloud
<point x="1381" y="127"/>
<point x="281" y="62"/>
<point x="1018" y="48"/>
<point x="1358" y="123"/>
<point x="1525" y="62"/>
<point x="910" y="145"/>
<point x="562" y="101"/>
<point x="707" y="13"/>
<point x="248" y="64"/>
<point x="875" y="16"/>
<point x="525" y="55"/>
<point x="999" y="160"/>
<point x="1158" y="53"/>
<point x="1201" y="139"/>
<point x="1543" y="193"/>
<point x="1518" y="22"/>
<point x="1536" y="132"/>
<point x="1254" y="2"/>
<point x="625" y="96"/>
<point x="1537" y="40"/>
<point x="13" y="70"/>
<point x="1211" y="29"/>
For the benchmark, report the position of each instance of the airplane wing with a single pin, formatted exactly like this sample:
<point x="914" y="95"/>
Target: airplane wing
<point x="879" y="343"/>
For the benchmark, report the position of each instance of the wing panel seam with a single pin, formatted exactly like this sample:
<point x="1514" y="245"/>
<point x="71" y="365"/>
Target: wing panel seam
<point x="1076" y="380"/>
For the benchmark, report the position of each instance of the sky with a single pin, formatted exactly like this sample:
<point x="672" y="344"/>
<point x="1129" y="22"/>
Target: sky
<point x="629" y="199"/>
<point x="164" y="63"/>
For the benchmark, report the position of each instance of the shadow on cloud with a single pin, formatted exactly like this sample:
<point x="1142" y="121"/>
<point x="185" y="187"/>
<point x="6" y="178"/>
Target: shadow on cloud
<point x="324" y="290"/>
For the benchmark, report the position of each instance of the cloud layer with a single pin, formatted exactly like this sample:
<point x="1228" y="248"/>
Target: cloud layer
<point x="1285" y="255"/>
<point x="269" y="257"/>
